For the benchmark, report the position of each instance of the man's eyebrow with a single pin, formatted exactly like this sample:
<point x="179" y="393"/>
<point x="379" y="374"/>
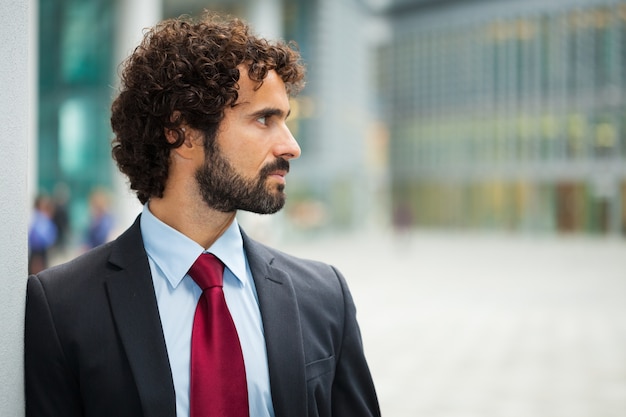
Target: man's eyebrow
<point x="269" y="112"/>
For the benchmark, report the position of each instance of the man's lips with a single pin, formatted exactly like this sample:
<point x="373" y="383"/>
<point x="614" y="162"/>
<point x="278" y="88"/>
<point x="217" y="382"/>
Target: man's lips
<point x="277" y="170"/>
<point x="278" y="175"/>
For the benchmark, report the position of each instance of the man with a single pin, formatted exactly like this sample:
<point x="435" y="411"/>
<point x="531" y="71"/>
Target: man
<point x="201" y="132"/>
<point x="42" y="234"/>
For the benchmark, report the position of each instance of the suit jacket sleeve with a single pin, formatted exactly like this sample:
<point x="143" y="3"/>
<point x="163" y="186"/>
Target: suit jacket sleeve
<point x="353" y="392"/>
<point x="51" y="388"/>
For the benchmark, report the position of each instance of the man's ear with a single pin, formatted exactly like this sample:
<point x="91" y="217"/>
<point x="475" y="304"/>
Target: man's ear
<point x="176" y="136"/>
<point x="186" y="142"/>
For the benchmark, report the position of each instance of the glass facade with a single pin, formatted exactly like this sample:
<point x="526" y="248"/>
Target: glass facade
<point x="510" y="121"/>
<point x="76" y="41"/>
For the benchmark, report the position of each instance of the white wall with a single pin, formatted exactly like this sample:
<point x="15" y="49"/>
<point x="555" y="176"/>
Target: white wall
<point x="16" y="86"/>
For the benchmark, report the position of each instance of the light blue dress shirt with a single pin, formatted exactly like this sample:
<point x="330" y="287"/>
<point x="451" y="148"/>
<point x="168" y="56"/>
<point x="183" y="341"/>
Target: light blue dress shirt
<point x="171" y="254"/>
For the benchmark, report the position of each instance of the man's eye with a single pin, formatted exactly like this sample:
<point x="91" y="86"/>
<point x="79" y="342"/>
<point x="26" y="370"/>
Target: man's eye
<point x="262" y="120"/>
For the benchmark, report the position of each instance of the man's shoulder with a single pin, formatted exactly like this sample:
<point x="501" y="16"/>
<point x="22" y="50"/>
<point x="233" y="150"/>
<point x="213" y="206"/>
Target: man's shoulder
<point x="95" y="263"/>
<point x="279" y="257"/>
<point x="306" y="274"/>
<point x="84" y="265"/>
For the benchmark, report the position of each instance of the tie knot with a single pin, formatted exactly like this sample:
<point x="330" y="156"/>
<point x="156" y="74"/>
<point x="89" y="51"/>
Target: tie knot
<point x="207" y="271"/>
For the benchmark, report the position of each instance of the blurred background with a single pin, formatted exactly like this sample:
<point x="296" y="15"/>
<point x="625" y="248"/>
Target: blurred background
<point x="476" y="115"/>
<point x="477" y="147"/>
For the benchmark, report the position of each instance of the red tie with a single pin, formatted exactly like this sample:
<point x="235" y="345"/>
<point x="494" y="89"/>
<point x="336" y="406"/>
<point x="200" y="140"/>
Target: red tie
<point x="218" y="376"/>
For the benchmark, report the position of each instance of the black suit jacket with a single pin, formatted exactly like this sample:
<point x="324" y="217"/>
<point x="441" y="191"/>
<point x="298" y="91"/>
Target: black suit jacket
<point x="94" y="344"/>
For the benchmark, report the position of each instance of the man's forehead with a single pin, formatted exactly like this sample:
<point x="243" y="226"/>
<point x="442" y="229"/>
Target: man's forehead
<point x="270" y="92"/>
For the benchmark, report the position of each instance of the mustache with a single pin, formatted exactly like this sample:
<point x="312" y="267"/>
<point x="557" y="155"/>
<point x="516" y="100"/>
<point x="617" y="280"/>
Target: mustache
<point x="280" y="164"/>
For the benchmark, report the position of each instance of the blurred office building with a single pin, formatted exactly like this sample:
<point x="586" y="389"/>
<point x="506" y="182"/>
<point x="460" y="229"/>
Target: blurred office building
<point x="505" y="115"/>
<point x="508" y="115"/>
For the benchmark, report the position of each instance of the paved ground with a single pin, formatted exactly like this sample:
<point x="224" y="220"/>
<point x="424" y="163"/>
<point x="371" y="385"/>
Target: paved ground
<point x="475" y="326"/>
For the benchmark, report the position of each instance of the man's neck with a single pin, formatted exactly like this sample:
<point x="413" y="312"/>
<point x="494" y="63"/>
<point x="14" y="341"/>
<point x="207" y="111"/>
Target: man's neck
<point x="195" y="220"/>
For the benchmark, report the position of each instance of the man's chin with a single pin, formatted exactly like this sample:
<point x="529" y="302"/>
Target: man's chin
<point x="263" y="212"/>
<point x="268" y="207"/>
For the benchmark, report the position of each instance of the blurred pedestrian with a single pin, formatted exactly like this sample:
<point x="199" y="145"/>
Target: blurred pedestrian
<point x="42" y="233"/>
<point x="60" y="217"/>
<point x="403" y="223"/>
<point x="100" y="220"/>
<point x="200" y="130"/>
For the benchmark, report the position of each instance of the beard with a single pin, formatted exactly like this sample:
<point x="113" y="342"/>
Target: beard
<point x="225" y="190"/>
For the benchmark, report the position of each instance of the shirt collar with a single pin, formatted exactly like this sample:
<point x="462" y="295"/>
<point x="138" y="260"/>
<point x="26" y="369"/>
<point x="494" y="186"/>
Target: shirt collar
<point x="174" y="253"/>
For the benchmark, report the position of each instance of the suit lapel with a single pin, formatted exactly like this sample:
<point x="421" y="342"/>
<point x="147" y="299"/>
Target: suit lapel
<point x="283" y="335"/>
<point x="136" y="315"/>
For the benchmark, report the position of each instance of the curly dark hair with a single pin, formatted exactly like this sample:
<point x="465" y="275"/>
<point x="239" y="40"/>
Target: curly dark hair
<point x="186" y="72"/>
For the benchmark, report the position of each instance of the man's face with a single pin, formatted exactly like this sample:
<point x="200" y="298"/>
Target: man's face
<point x="246" y="167"/>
